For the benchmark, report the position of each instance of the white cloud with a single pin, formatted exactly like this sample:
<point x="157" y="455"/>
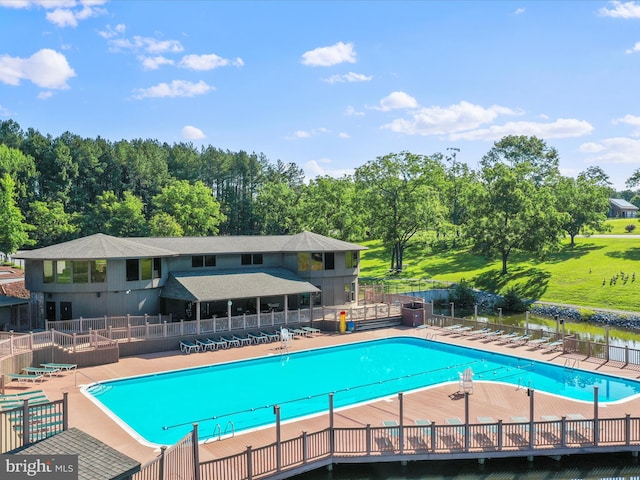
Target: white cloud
<point x="561" y="128"/>
<point x="621" y="10"/>
<point x="447" y="120"/>
<point x="146" y="44"/>
<point x="328" y="56"/>
<point x="313" y="169"/>
<point x="177" y="88"/>
<point x="519" y="11"/>
<point x="397" y="100"/>
<point x="153" y="63"/>
<point x="348" y="78"/>
<point x="351" y="111"/>
<point x="4" y="112"/>
<point x="207" y="62"/>
<point x="613" y="150"/>
<point x="631" y="120"/>
<point x="45" y="95"/>
<point x="344" y="135"/>
<point x="634" y="49"/>
<point x="299" y="134"/>
<point x="45" y="68"/>
<point x="63" y="13"/>
<point x="111" y="32"/>
<point x="192" y="133"/>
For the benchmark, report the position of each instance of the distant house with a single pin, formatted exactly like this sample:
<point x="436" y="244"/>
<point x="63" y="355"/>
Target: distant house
<point x="190" y="278"/>
<point x="620" y="208"/>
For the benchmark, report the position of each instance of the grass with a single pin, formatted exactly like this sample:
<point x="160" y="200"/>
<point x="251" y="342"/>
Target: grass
<point x="618" y="226"/>
<point x="583" y="275"/>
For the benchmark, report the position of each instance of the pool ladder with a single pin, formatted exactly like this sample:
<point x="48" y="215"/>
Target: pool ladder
<point x="522" y="384"/>
<point x="218" y="429"/>
<point x="571" y="363"/>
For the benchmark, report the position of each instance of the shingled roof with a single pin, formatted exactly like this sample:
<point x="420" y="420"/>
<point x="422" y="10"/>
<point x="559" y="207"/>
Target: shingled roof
<point x="101" y="246"/>
<point x="96" y="460"/>
<point x="212" y="285"/>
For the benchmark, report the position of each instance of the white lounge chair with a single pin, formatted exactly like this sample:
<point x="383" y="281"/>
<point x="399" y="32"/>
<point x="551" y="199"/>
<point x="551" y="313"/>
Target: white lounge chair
<point x="311" y="330"/>
<point x="40" y="370"/>
<point x="258" y="338"/>
<point x="271" y="337"/>
<point x="188" y="347"/>
<point x="205" y="344"/>
<point x="24" y="377"/>
<point x="60" y="366"/>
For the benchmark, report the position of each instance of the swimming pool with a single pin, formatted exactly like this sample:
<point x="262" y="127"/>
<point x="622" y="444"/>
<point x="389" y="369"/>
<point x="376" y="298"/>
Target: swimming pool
<point x="160" y="408"/>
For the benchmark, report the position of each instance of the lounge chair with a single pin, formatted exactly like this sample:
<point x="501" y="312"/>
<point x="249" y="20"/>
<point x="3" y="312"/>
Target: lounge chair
<point x="218" y="343"/>
<point x="539" y="342"/>
<point x="297" y="332"/>
<point x="451" y="328"/>
<point x="392" y="431"/>
<point x="494" y="333"/>
<point x="506" y="338"/>
<point x="16" y="400"/>
<point x="206" y="344"/>
<point x="520" y="340"/>
<point x="479" y="331"/>
<point x="60" y="366"/>
<point x="188" y="347"/>
<point x="24" y="377"/>
<point x="425" y="431"/>
<point x="232" y="342"/>
<point x="41" y="370"/>
<point x="258" y="338"/>
<point x="553" y="346"/>
<point x="311" y="330"/>
<point x="244" y="340"/>
<point x="271" y="337"/>
<point x="465" y="381"/>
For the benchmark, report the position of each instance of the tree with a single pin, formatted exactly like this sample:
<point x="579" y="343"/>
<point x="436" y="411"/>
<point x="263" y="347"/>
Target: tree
<point x="14" y="233"/>
<point x="514" y="207"/>
<point x="22" y="169"/>
<point x="192" y="207"/>
<point x="164" y="225"/>
<point x="52" y="224"/>
<point x="400" y="192"/>
<point x="277" y="209"/>
<point x="457" y="191"/>
<point x="585" y="200"/>
<point x="119" y="217"/>
<point x="634" y="180"/>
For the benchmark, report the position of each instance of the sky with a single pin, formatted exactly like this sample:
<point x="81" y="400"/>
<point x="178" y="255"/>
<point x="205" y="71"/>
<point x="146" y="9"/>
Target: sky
<point x="331" y="85"/>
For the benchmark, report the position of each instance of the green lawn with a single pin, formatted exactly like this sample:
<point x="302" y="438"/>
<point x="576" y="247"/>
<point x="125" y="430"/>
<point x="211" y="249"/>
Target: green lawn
<point x="618" y="226"/>
<point x="582" y="275"/>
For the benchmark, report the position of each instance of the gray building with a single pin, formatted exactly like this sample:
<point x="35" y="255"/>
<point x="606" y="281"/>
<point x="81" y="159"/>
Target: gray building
<point x="619" y="208"/>
<point x="190" y="277"/>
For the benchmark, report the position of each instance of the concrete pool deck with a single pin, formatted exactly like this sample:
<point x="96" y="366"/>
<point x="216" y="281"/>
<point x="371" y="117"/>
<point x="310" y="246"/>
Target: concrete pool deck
<point x="435" y="403"/>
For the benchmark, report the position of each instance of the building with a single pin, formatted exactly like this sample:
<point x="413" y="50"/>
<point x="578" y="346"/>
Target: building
<point x="620" y="208"/>
<point x="190" y="278"/>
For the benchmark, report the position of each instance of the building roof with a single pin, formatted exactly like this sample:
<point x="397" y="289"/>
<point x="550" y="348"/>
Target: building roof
<point x="6" y="301"/>
<point x="213" y="285"/>
<point x="96" y="460"/>
<point x="101" y="246"/>
<point x="622" y="204"/>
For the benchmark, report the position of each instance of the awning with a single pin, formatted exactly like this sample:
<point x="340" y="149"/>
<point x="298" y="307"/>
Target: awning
<point x="213" y="285"/>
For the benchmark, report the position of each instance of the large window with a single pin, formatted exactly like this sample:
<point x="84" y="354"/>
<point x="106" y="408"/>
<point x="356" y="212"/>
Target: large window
<point x="133" y="269"/>
<point x="80" y="271"/>
<point x="48" y="271"/>
<point x="304" y="261"/>
<point x="146" y="268"/>
<point x="251" y="259"/>
<point x="63" y="271"/>
<point x="157" y="268"/>
<point x="352" y="259"/>
<point x="316" y="261"/>
<point x="98" y="271"/>
<point x="203" y="261"/>
<point x="329" y="261"/>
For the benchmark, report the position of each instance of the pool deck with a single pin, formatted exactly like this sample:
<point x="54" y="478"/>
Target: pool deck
<point x="434" y="403"/>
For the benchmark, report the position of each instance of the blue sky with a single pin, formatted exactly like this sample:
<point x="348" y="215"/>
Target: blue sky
<point x="331" y="85"/>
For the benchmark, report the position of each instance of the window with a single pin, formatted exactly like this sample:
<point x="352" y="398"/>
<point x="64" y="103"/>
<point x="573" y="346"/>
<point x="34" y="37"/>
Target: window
<point x="47" y="271"/>
<point x="133" y="269"/>
<point x="147" y="268"/>
<point x="209" y="260"/>
<point x="329" y="261"/>
<point x="251" y="259"/>
<point x="352" y="259"/>
<point x="304" y="262"/>
<point x="98" y="271"/>
<point x="63" y="271"/>
<point x="80" y="272"/>
<point x="316" y="261"/>
<point x="157" y="268"/>
<point x="203" y="261"/>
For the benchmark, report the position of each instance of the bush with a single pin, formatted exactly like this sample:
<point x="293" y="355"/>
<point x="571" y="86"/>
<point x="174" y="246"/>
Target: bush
<point x="630" y="228"/>
<point x="586" y="314"/>
<point x="512" y="302"/>
<point x="463" y="295"/>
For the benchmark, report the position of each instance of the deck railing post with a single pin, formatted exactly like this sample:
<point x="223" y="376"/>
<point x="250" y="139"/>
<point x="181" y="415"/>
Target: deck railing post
<point x="163" y="450"/>
<point x="626" y="355"/>
<point x="563" y="432"/>
<point x="466" y="421"/>
<point x="165" y="331"/>
<point x="433" y="437"/>
<point x="146" y="328"/>
<point x="499" y="434"/>
<point x="627" y="429"/>
<point x="181" y="327"/>
<point x="596" y="422"/>
<point x="332" y="438"/>
<point x="110" y="332"/>
<point x="73" y="338"/>
<point x="368" y="439"/>
<point x="276" y="410"/>
<point x="80" y="327"/>
<point x="196" y="452"/>
<point x="249" y="463"/>
<point x="532" y="424"/>
<point x="26" y="422"/>
<point x="65" y="411"/>
<point x="304" y="448"/>
<point x="129" y="332"/>
<point x="401" y="414"/>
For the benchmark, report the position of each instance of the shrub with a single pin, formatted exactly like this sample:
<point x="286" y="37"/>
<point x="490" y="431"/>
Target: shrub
<point x="512" y="302"/>
<point x="463" y="295"/>
<point x="630" y="228"/>
<point x="586" y="314"/>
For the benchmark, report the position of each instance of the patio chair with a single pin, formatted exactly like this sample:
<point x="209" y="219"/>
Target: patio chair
<point x="205" y="344"/>
<point x="24" y="377"/>
<point x="231" y="342"/>
<point x="218" y="343"/>
<point x="243" y="339"/>
<point x="41" y="370"/>
<point x="60" y="366"/>
<point x="258" y="338"/>
<point x="311" y="330"/>
<point x="187" y="347"/>
<point x="271" y="336"/>
<point x="465" y="381"/>
<point x="391" y="431"/>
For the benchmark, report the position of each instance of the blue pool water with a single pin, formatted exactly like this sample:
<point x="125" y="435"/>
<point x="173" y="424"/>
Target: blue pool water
<point x="161" y="408"/>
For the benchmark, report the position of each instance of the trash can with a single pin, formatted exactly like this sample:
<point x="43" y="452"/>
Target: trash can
<point x="351" y="326"/>
<point x="343" y="321"/>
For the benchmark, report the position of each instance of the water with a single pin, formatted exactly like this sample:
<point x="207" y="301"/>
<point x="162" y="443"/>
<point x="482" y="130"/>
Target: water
<point x="244" y="393"/>
<point x="576" y="467"/>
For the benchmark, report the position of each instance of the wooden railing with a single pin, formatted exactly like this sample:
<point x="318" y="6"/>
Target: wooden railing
<point x="30" y="423"/>
<point x="177" y="461"/>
